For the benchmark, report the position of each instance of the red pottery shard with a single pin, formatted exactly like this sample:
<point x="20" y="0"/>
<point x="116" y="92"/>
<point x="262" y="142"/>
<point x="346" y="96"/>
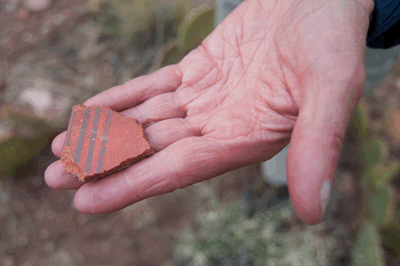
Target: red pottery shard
<point x="101" y="141"/>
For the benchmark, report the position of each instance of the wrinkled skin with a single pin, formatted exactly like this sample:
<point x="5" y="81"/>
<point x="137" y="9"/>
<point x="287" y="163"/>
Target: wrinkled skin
<point x="272" y="72"/>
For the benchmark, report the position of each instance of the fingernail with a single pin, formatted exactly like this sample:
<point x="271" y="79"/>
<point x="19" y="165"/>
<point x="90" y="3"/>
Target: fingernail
<point x="324" y="196"/>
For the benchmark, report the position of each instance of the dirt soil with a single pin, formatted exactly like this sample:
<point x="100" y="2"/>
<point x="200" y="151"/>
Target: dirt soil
<point x="40" y="226"/>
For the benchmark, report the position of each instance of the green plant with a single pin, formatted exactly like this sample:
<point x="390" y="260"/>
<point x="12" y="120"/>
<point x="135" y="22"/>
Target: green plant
<point x="145" y="23"/>
<point x="194" y="28"/>
<point x="380" y="204"/>
<point x="359" y="123"/>
<point x="17" y="151"/>
<point x="368" y="248"/>
<point x="227" y="236"/>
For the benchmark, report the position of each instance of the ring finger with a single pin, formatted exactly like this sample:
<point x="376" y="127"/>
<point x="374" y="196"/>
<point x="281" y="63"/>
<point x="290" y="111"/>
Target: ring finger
<point x="160" y="107"/>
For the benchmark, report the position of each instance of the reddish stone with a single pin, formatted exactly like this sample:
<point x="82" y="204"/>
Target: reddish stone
<point x="100" y="142"/>
<point x="22" y="14"/>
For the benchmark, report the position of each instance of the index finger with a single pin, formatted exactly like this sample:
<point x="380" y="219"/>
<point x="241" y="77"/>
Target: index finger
<point x="137" y="90"/>
<point x="133" y="92"/>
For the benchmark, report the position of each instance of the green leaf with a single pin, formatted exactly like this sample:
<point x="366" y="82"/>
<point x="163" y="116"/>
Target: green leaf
<point x="172" y="56"/>
<point x="367" y="249"/>
<point x="373" y="151"/>
<point x="382" y="206"/>
<point x="382" y="173"/>
<point x="379" y="206"/>
<point x="391" y="238"/>
<point x="110" y="23"/>
<point x="18" y="150"/>
<point x="195" y="29"/>
<point x="360" y="121"/>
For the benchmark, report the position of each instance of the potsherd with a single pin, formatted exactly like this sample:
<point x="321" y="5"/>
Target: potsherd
<point x="100" y="142"/>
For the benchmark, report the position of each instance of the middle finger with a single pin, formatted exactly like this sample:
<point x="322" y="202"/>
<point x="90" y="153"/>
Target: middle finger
<point x="160" y="107"/>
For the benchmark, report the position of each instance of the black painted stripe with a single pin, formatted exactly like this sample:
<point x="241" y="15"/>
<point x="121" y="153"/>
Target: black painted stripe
<point x="82" y="134"/>
<point x="92" y="139"/>
<point x="103" y="148"/>
<point x="71" y="123"/>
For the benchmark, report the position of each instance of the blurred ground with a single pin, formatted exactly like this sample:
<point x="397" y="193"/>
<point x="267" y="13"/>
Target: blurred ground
<point x="57" y="57"/>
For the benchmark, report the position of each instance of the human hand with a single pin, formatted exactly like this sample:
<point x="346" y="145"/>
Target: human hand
<point x="270" y="73"/>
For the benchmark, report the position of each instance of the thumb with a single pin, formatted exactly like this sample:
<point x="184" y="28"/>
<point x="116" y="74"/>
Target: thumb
<point x="316" y="142"/>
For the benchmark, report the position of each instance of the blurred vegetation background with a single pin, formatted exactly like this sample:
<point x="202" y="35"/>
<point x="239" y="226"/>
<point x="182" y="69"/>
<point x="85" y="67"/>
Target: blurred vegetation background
<point x="55" y="54"/>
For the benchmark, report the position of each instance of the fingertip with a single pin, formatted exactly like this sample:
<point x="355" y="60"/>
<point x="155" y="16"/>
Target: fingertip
<point x="49" y="175"/>
<point x="95" y="100"/>
<point x="304" y="178"/>
<point x="82" y="201"/>
<point x="57" y="178"/>
<point x="305" y="203"/>
<point x="105" y="195"/>
<point x="306" y="206"/>
<point x="88" y="201"/>
<point x="57" y="144"/>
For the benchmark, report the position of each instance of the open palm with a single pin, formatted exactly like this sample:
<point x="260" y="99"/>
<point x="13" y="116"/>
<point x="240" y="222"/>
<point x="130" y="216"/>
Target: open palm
<point x="272" y="72"/>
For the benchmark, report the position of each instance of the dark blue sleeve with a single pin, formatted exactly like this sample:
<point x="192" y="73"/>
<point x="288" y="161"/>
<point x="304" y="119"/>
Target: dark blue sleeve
<point x="384" y="29"/>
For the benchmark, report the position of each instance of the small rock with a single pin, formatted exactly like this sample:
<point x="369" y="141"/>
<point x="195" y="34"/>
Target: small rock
<point x="39" y="99"/>
<point x="50" y="215"/>
<point x="22" y="14"/>
<point x="28" y="37"/>
<point x="49" y="246"/>
<point x="44" y="29"/>
<point x="39" y="215"/>
<point x="58" y="19"/>
<point x="9" y="7"/>
<point x="100" y="142"/>
<point x="44" y="234"/>
<point x="37" y="5"/>
<point x="7" y="260"/>
<point x="23" y="241"/>
<point x="89" y="81"/>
